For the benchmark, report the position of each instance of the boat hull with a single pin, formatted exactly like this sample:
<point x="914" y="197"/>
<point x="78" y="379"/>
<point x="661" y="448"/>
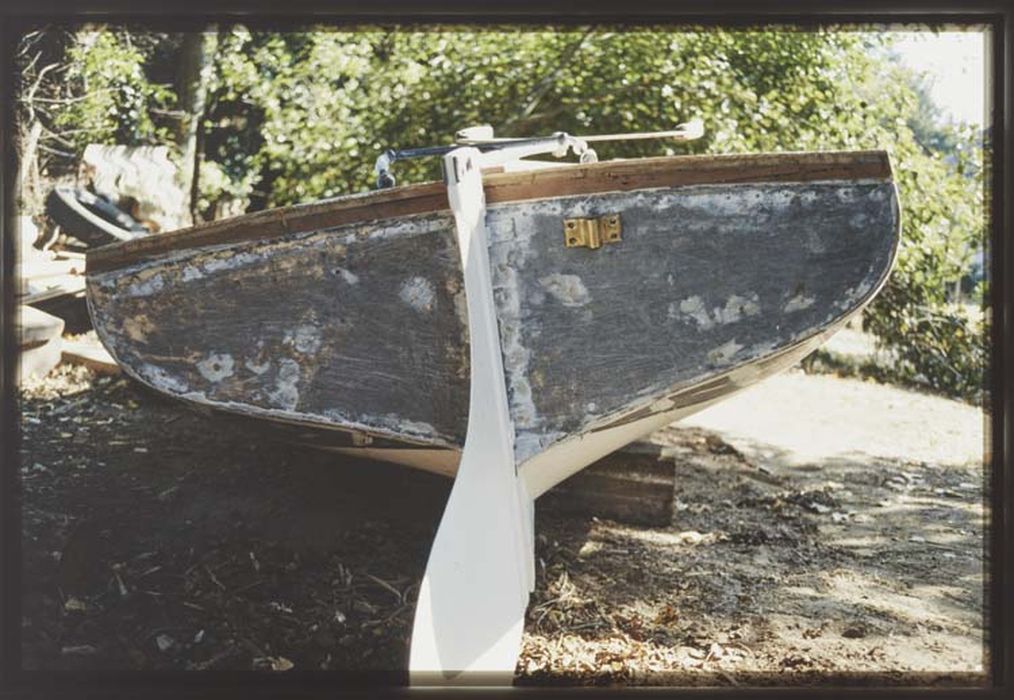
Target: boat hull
<point x="353" y="333"/>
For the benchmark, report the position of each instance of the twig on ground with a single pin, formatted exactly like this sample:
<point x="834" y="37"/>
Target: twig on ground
<point x="214" y="579"/>
<point x="388" y="586"/>
<point x="247" y="587"/>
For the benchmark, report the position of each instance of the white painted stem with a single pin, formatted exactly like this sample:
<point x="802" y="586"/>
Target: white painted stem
<point x="470" y="616"/>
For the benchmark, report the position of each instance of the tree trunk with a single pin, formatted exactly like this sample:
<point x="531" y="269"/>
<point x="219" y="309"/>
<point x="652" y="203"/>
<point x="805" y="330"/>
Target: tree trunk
<point x="28" y="179"/>
<point x="196" y="63"/>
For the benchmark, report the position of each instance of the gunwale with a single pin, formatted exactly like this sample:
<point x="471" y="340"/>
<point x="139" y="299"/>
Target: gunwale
<point x="431" y="197"/>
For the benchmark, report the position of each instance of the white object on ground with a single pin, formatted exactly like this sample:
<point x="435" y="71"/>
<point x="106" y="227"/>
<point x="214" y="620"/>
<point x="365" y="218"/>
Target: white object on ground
<point x="471" y="610"/>
<point x="40" y="341"/>
<point x="143" y="172"/>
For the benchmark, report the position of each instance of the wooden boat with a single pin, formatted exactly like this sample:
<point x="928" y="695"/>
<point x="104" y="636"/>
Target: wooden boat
<point x="622" y="295"/>
<point x="348" y="316"/>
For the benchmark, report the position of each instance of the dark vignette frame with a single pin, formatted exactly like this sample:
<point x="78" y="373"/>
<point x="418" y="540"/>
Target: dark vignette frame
<point x="18" y="15"/>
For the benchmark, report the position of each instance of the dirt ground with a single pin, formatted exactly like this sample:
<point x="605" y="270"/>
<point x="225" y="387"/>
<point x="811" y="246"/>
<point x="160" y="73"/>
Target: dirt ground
<point x="823" y="530"/>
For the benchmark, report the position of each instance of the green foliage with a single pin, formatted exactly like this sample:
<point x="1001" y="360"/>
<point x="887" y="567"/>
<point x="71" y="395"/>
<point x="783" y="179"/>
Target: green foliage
<point x="326" y="104"/>
<point x="300" y="116"/>
<point x="111" y="98"/>
<point x="938" y="346"/>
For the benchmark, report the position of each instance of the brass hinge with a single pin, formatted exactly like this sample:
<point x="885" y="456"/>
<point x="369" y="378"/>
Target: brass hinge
<point x="591" y="233"/>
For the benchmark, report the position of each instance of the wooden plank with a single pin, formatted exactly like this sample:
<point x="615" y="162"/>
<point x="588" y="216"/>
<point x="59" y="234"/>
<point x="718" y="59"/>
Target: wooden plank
<point x="70" y="255"/>
<point x="634" y="485"/>
<point x="34" y="327"/>
<point x="91" y="355"/>
<point x="33" y="269"/>
<point x="503" y="187"/>
<point x="34" y="291"/>
<point x="678" y="171"/>
<point x="40" y="359"/>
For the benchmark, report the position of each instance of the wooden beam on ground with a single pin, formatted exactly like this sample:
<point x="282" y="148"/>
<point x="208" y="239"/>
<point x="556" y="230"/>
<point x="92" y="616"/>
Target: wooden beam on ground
<point x="91" y="355"/>
<point x="36" y="290"/>
<point x="34" y="327"/>
<point x="39" y="268"/>
<point x="634" y="485"/>
<point x="38" y="360"/>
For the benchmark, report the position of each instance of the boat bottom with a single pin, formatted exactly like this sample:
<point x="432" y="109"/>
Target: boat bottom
<point x="549" y="468"/>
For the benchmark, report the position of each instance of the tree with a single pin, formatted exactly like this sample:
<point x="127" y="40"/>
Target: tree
<point x="299" y="116"/>
<point x="197" y="52"/>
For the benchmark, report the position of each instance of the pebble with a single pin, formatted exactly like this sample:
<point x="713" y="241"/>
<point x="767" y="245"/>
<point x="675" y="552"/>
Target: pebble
<point x="164" y="642"/>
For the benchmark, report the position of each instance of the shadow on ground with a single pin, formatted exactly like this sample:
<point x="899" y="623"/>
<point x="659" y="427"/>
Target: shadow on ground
<point x="156" y="538"/>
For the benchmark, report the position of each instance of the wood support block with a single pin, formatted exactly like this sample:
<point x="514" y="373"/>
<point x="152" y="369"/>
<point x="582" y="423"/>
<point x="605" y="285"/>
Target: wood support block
<point x="634" y="485"/>
<point x="92" y="356"/>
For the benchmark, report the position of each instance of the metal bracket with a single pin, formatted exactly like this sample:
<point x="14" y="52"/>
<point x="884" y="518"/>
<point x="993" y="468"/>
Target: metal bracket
<point x="592" y="233"/>
<point x="494" y="152"/>
<point x="481" y="137"/>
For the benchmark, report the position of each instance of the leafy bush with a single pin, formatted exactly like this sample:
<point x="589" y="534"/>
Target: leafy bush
<point x="300" y="116"/>
<point x="111" y="99"/>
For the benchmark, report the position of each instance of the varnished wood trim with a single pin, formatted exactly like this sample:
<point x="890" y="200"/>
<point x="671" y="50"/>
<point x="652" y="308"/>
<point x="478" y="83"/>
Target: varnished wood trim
<point x="609" y="176"/>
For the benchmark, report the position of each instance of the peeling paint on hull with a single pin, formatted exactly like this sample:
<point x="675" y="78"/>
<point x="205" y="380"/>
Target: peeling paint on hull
<point x="706" y="278"/>
<point x="361" y="328"/>
<point x="313" y="326"/>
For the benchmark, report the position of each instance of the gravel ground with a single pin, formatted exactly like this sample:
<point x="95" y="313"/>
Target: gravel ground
<point x="824" y="530"/>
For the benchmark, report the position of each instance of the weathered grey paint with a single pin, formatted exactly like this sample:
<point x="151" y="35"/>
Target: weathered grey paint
<point x="360" y="325"/>
<point x="705" y="278"/>
<point x="363" y="326"/>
